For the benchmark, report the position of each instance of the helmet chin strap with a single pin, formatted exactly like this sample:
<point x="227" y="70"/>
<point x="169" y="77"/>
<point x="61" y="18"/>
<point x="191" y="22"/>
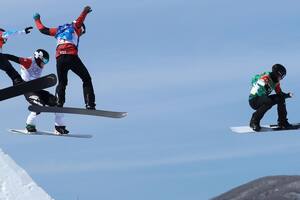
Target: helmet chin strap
<point x="38" y="62"/>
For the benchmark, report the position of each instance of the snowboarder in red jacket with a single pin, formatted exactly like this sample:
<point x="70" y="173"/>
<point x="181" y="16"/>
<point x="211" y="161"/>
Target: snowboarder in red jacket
<point x="67" y="36"/>
<point x="4" y="63"/>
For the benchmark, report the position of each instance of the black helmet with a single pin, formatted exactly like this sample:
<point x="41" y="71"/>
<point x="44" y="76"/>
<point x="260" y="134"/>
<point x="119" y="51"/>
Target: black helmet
<point x="279" y="70"/>
<point x="1" y="29"/>
<point x="41" y="55"/>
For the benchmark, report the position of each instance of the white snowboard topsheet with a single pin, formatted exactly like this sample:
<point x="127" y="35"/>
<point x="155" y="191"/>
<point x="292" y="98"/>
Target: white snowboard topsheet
<point x="264" y="128"/>
<point x="48" y="133"/>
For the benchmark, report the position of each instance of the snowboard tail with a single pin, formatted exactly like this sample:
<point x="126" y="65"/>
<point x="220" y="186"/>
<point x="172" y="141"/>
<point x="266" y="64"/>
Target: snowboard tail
<point x="80" y="111"/>
<point x="29" y="86"/>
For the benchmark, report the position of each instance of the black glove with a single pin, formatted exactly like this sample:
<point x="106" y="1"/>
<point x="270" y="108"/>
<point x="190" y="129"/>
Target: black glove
<point x="286" y="95"/>
<point x="268" y="89"/>
<point x="28" y="29"/>
<point x="87" y="9"/>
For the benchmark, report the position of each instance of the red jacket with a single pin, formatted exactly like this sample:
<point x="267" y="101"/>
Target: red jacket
<point x="64" y="48"/>
<point x="2" y="40"/>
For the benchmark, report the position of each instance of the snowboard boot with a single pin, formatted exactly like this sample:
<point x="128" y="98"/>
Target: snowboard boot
<point x="61" y="130"/>
<point x="254" y="124"/>
<point x="89" y="98"/>
<point x="58" y="104"/>
<point x="30" y="128"/>
<point x="284" y="124"/>
<point x="90" y="106"/>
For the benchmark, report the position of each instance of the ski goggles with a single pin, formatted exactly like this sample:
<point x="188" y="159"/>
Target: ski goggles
<point x="44" y="60"/>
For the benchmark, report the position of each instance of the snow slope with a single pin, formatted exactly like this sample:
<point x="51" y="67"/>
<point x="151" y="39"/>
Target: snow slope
<point x="16" y="184"/>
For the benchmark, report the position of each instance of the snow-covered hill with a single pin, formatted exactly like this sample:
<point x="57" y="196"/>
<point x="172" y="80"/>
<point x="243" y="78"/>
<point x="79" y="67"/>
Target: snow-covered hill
<point x="16" y="184"/>
<point x="266" y="188"/>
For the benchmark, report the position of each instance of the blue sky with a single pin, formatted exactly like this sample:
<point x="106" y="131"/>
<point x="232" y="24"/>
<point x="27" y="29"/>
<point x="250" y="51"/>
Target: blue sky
<point x="182" y="70"/>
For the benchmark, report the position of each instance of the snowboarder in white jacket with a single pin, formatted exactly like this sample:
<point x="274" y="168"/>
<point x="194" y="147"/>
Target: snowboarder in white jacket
<point x="31" y="68"/>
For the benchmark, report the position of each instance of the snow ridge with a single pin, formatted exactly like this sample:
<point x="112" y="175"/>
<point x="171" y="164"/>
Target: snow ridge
<point x="16" y="184"/>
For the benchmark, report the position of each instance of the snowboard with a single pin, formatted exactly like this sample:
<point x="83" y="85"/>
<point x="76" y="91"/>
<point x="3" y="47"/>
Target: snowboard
<point x="29" y="86"/>
<point x="48" y="133"/>
<point x="264" y="128"/>
<point x="80" y="111"/>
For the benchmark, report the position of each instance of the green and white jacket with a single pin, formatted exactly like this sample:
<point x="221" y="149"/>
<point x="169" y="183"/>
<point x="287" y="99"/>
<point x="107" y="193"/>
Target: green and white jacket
<point x="262" y="84"/>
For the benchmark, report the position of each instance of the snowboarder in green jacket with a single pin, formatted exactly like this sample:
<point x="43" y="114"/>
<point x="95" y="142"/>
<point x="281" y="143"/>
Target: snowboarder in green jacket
<point x="261" y="99"/>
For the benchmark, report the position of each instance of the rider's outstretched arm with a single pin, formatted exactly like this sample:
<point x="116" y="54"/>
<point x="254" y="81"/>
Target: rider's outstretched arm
<point x="43" y="29"/>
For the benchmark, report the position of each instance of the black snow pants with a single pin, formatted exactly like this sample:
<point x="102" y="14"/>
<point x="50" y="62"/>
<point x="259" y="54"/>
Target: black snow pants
<point x="41" y="98"/>
<point x="6" y="66"/>
<point x="72" y="62"/>
<point x="263" y="103"/>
